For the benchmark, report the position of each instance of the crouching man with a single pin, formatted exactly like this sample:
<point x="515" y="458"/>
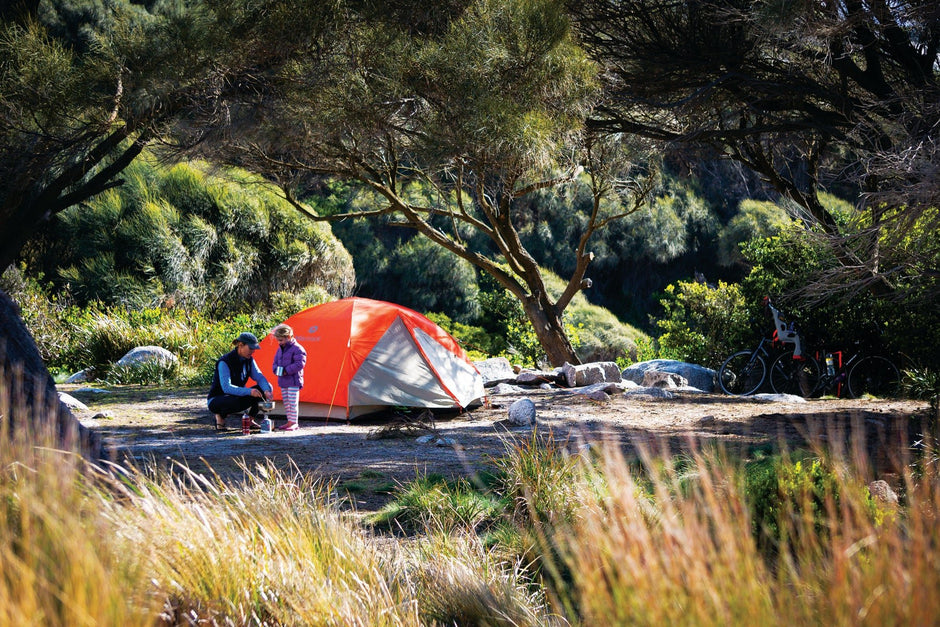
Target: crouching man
<point x="229" y="394"/>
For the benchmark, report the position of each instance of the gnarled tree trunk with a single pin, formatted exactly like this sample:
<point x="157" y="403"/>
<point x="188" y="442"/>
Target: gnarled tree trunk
<point x="28" y="388"/>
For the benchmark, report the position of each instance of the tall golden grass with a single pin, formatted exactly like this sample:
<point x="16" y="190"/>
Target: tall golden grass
<point x="90" y="545"/>
<point x="98" y="545"/>
<point x="687" y="555"/>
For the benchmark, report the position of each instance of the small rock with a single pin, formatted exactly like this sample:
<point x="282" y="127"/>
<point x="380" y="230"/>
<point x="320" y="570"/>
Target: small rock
<point x="777" y="398"/>
<point x="92" y="391"/>
<point x="598" y="395"/>
<point x="882" y="492"/>
<point x="445" y="442"/>
<point x="532" y="377"/>
<point x="425" y="439"/>
<point x="522" y="412"/>
<point x="105" y="415"/>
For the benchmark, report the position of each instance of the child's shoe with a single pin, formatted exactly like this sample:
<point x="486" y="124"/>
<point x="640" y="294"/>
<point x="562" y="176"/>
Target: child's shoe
<point x="289" y="426"/>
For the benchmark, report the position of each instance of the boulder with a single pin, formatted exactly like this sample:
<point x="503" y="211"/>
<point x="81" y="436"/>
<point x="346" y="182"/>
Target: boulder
<point x="522" y="412"/>
<point x="143" y="355"/>
<point x="660" y="379"/>
<point x="697" y="376"/>
<point x="495" y="370"/>
<point x="587" y="374"/>
<point x="82" y="376"/>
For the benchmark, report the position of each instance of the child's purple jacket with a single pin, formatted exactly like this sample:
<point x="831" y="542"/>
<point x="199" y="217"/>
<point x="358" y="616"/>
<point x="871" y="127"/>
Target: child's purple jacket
<point x="292" y="357"/>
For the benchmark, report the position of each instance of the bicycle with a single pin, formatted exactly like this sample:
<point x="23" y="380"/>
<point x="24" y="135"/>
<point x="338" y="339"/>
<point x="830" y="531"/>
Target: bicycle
<point x="744" y="372"/>
<point x="862" y="373"/>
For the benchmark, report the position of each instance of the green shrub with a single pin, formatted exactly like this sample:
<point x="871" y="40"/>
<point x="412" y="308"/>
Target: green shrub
<point x="783" y="490"/>
<point x="924" y="383"/>
<point x="702" y="324"/>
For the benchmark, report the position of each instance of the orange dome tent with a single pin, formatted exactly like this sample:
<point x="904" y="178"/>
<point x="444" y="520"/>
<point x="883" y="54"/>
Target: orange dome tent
<point x="365" y="355"/>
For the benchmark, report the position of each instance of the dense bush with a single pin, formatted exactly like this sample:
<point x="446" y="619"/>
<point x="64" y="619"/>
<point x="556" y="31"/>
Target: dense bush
<point x="192" y="236"/>
<point x="702" y="324"/>
<point x="785" y="489"/>
<point x="901" y="324"/>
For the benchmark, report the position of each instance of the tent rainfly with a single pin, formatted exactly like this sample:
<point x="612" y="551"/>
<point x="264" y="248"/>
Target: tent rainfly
<point x="365" y="355"/>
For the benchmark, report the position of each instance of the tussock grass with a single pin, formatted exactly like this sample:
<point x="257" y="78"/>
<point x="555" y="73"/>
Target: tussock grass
<point x="838" y="560"/>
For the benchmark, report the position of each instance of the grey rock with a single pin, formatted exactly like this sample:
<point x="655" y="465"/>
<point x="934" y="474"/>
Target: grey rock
<point x="777" y="398"/>
<point x="495" y="369"/>
<point x="146" y="355"/>
<point x="505" y="388"/>
<point x="882" y="492"/>
<point x="445" y="442"/>
<point x="598" y="395"/>
<point x="536" y="377"/>
<point x="587" y="374"/>
<point x="92" y="391"/>
<point x="649" y="393"/>
<point x="425" y="439"/>
<point x="606" y="388"/>
<point x="660" y="379"/>
<point x="697" y="376"/>
<point x="71" y="402"/>
<point x="522" y="412"/>
<point x="82" y="376"/>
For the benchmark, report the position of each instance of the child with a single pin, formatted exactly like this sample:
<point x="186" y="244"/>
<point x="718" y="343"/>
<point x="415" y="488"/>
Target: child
<point x="289" y="361"/>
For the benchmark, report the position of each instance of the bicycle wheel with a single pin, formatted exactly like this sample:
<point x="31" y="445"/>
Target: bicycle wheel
<point x="876" y="376"/>
<point x="794" y="376"/>
<point x="742" y="373"/>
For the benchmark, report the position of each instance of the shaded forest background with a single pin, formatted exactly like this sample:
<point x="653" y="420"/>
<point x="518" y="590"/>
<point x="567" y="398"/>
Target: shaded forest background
<point x="184" y="159"/>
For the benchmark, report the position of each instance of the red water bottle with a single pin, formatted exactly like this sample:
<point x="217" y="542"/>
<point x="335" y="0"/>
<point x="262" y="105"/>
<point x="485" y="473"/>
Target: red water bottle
<point x="246" y="424"/>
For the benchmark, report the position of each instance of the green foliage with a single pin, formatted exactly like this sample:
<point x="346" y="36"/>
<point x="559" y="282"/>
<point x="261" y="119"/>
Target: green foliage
<point x="782" y="490"/>
<point x="150" y="373"/>
<point x="702" y="324"/>
<point x="539" y="479"/>
<point x="923" y="383"/>
<point x="755" y="219"/>
<point x="72" y="338"/>
<point x="432" y="503"/>
<point x="475" y="340"/>
<point x="187" y="235"/>
<point x="396" y="264"/>
<point x="789" y="262"/>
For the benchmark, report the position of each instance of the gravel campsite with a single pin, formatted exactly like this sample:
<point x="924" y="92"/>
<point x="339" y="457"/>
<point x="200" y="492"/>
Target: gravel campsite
<point x="146" y="425"/>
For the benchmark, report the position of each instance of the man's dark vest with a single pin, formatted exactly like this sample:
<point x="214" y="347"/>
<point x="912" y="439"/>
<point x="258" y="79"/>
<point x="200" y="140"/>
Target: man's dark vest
<point x="239" y="368"/>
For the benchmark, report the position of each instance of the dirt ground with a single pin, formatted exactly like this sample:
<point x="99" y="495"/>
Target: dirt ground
<point x="150" y="426"/>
